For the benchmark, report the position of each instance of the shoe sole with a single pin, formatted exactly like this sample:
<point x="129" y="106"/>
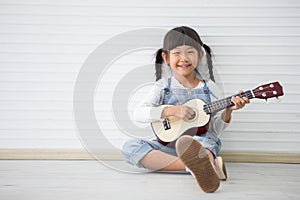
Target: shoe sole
<point x="195" y="157"/>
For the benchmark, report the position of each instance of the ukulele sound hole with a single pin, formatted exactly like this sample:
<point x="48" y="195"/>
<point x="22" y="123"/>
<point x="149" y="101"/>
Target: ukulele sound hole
<point x="193" y="117"/>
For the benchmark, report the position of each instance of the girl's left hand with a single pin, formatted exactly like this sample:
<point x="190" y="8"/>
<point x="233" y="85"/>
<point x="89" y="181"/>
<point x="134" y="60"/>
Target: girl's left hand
<point x="239" y="102"/>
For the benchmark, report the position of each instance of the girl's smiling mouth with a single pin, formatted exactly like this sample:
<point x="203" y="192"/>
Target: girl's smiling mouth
<point x="184" y="66"/>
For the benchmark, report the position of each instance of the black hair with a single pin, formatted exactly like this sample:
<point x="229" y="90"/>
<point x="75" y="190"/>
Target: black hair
<point x="179" y="36"/>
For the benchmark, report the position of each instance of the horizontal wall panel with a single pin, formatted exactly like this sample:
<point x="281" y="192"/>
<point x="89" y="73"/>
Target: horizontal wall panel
<point x="134" y="3"/>
<point x="214" y="20"/>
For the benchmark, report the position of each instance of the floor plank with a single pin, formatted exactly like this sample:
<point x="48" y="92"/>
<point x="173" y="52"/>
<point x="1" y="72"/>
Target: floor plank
<point x="49" y="179"/>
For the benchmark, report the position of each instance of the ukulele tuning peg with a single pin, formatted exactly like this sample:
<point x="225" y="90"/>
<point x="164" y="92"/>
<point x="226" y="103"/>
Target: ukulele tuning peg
<point x="267" y="102"/>
<point x="278" y="99"/>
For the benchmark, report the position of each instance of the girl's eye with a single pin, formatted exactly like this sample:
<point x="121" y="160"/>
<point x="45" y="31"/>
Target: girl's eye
<point x="190" y="52"/>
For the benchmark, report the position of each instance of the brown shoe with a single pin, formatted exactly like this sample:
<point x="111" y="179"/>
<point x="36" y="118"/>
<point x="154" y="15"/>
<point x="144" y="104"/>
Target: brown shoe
<point x="196" y="159"/>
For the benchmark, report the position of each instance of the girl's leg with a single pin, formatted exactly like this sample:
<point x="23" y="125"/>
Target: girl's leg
<point x="158" y="160"/>
<point x="199" y="162"/>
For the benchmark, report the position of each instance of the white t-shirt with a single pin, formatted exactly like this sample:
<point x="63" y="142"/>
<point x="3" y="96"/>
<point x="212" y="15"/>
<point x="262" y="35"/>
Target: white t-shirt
<point x="147" y="111"/>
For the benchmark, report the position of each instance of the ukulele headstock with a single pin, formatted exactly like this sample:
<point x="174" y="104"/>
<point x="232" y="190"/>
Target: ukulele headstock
<point x="267" y="91"/>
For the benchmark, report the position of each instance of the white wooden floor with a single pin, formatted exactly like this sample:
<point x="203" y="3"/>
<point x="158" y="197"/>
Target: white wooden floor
<point x="89" y="180"/>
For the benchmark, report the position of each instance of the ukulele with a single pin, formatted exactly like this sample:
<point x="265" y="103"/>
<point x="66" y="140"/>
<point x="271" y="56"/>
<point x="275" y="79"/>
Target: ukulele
<point x="171" y="128"/>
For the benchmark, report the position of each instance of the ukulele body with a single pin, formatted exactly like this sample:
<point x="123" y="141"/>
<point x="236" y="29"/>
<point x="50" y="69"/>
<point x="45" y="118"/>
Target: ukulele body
<point x="171" y="128"/>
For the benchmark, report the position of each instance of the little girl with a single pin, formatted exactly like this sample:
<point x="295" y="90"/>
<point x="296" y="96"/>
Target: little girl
<point x="183" y="52"/>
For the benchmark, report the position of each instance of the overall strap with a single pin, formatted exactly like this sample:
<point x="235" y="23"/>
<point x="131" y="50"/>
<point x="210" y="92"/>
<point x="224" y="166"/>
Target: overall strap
<point x="164" y="91"/>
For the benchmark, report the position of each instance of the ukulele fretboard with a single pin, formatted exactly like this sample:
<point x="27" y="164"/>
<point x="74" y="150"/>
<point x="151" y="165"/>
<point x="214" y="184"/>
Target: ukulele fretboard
<point x="224" y="103"/>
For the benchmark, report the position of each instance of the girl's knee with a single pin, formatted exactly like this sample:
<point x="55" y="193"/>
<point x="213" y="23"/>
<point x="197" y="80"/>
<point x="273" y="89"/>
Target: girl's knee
<point x="134" y="150"/>
<point x="129" y="146"/>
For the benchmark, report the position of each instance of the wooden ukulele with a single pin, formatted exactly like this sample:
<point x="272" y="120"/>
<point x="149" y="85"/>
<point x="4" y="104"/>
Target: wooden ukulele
<point x="171" y="128"/>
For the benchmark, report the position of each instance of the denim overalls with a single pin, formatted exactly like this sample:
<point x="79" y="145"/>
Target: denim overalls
<point x="134" y="150"/>
<point x="180" y="96"/>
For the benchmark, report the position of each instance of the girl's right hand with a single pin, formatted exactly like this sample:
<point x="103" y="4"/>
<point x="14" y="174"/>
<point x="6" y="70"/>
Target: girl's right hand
<point x="182" y="112"/>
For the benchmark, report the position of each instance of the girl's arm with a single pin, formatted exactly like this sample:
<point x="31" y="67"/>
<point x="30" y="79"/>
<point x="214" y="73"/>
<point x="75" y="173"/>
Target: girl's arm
<point x="220" y="120"/>
<point x="238" y="104"/>
<point x="147" y="111"/>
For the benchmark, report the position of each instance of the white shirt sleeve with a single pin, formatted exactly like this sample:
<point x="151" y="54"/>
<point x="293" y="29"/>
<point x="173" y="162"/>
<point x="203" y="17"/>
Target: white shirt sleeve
<point x="147" y="111"/>
<point x="216" y="125"/>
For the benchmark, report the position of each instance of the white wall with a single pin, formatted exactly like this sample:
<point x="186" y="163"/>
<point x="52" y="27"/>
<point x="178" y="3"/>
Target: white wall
<point x="44" y="44"/>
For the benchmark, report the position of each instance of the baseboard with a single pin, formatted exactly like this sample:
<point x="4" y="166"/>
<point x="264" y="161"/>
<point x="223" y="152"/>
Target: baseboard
<point x="48" y="154"/>
<point x="57" y="154"/>
<point x="261" y="157"/>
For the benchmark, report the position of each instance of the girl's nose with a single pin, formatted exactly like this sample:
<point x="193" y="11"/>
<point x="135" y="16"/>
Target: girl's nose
<point x="183" y="56"/>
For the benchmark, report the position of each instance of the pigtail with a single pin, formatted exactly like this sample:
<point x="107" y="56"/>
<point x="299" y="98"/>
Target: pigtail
<point x="158" y="64"/>
<point x="209" y="62"/>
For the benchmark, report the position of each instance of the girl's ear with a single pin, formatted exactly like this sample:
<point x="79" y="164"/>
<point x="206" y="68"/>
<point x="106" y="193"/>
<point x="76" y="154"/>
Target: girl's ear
<point x="165" y="58"/>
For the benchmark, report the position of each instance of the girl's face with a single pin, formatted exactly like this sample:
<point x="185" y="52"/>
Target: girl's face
<point x="183" y="60"/>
